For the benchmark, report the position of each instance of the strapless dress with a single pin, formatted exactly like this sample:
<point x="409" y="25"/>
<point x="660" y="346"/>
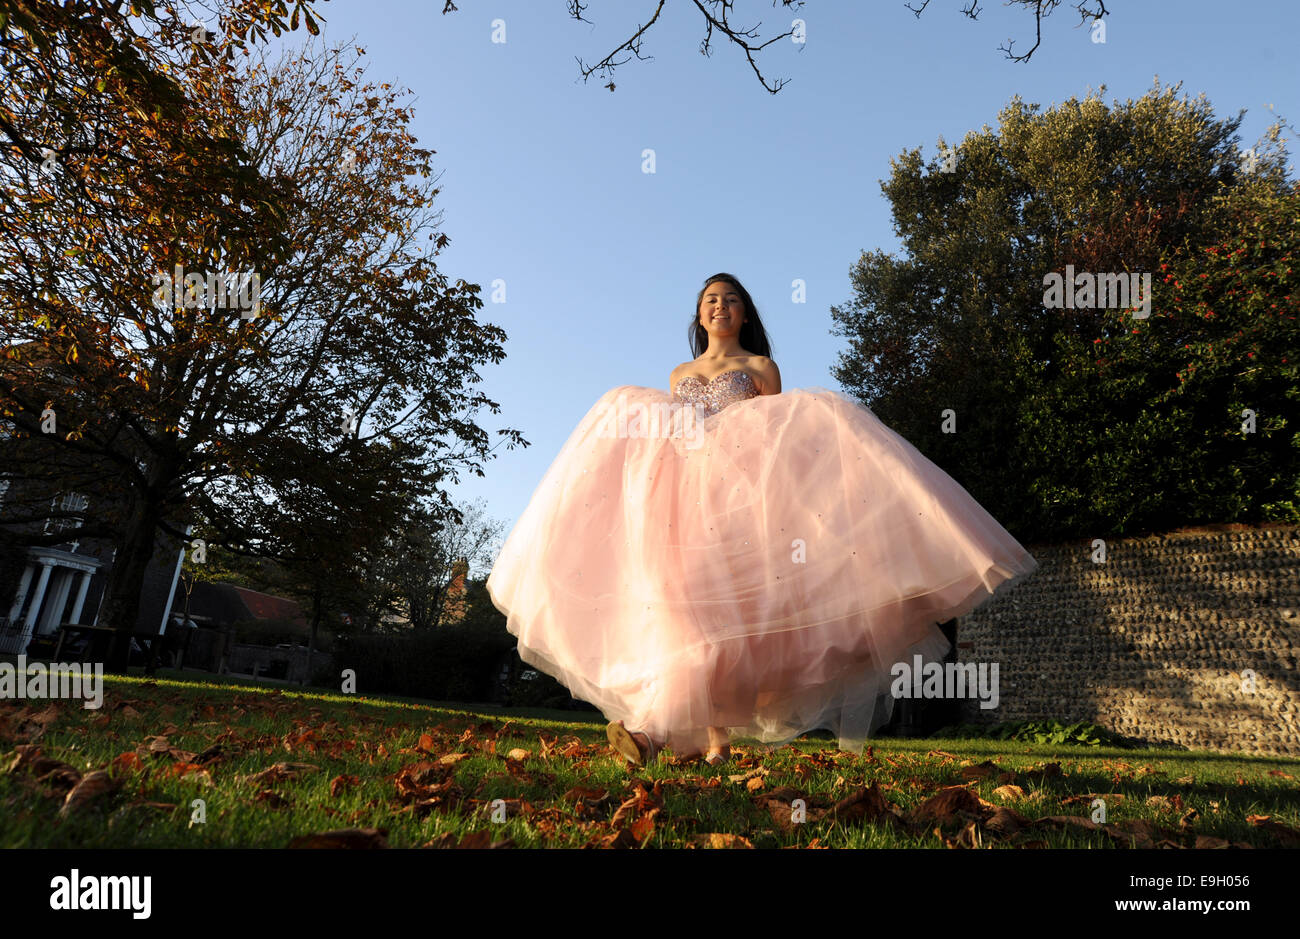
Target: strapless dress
<point x="717" y="557"/>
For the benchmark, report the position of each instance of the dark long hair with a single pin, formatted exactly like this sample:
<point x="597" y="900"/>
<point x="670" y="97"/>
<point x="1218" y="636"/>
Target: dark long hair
<point x="753" y="337"/>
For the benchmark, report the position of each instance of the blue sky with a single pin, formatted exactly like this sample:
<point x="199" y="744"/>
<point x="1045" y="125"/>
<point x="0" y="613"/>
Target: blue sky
<point x="543" y="188"/>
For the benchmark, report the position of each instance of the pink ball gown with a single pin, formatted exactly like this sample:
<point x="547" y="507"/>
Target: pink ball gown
<point x="755" y="562"/>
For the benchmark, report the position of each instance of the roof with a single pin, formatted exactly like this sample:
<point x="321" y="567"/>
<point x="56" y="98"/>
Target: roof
<point x="223" y="604"/>
<point x="267" y="606"/>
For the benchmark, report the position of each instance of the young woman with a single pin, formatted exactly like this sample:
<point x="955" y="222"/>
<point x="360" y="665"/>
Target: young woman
<point x="727" y="558"/>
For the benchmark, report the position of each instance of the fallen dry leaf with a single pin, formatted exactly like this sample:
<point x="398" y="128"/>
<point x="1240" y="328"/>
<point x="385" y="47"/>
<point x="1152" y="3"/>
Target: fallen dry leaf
<point x="341" y="782"/>
<point x="718" y="839"/>
<point x="1284" y="833"/>
<point x="343" y="838"/>
<point x="278" y="772"/>
<point x="1005" y="822"/>
<point x="88" y="789"/>
<point x="865" y="805"/>
<point x="981" y="771"/>
<point x="946" y="804"/>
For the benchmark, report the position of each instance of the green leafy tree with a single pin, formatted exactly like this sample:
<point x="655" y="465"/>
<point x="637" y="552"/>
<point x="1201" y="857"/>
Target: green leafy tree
<point x="1054" y="435"/>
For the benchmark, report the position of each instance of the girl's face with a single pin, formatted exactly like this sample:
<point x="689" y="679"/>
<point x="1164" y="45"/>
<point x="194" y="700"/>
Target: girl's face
<point x="722" y="311"/>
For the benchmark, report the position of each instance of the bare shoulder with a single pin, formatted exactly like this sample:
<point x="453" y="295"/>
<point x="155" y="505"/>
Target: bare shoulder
<point x="678" y="372"/>
<point x="768" y="374"/>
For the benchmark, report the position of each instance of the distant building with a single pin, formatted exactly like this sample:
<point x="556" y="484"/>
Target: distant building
<point x="454" y="606"/>
<point x="44" y="586"/>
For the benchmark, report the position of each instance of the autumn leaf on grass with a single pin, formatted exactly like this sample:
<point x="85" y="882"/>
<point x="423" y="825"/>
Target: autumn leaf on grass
<point x="454" y="757"/>
<point x="343" y="781"/>
<point x="640" y="801"/>
<point x="970" y="836"/>
<point x="1278" y="772"/>
<point x="1068" y="821"/>
<point x="981" y="771"/>
<point x="865" y="805"/>
<point x="573" y="748"/>
<point x="194" y="771"/>
<point x="418" y="776"/>
<point x="343" y="838"/>
<point x="1285" y="833"/>
<point x="88" y="789"/>
<point x="273" y="799"/>
<point x="474" y="841"/>
<point x="279" y="772"/>
<point x="160" y="746"/>
<point x="212" y="754"/>
<point x="29" y="724"/>
<point x="1010" y="793"/>
<point x="128" y="761"/>
<point x="589" y="803"/>
<point x="946" y="804"/>
<point x="46" y="770"/>
<point x="622" y="838"/>
<point x="1140" y="833"/>
<point x="746" y="777"/>
<point x="1046" y="772"/>
<point x="548" y="746"/>
<point x="719" y="839"/>
<point x="518" y="753"/>
<point x="644" y="827"/>
<point x="1005" y="822"/>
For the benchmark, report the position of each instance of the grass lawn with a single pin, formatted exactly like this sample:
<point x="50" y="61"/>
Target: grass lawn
<point x="279" y="766"/>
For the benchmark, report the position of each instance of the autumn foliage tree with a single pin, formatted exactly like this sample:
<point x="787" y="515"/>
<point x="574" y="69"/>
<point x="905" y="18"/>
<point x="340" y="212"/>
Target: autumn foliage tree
<point x="346" y="387"/>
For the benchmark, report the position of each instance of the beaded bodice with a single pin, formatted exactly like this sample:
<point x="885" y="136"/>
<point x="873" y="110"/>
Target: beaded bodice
<point x="727" y="388"/>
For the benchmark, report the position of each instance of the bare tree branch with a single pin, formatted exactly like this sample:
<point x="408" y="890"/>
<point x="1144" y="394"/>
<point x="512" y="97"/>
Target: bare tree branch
<point x="717" y="18"/>
<point x="1087" y="9"/>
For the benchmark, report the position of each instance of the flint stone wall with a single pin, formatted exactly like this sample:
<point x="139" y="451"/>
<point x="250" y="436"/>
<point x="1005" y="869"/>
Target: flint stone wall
<point x="1158" y="642"/>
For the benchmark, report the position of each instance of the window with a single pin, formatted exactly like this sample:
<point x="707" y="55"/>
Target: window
<point x="69" y="502"/>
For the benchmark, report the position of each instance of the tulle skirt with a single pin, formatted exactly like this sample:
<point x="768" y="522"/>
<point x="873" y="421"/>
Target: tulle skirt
<point x="760" y="569"/>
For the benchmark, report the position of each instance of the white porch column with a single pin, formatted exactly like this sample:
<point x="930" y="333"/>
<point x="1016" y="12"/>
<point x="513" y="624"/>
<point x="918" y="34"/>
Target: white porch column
<point x="41" y="584"/>
<point x="22" y="592"/>
<point x="60" y="587"/>
<point x="81" y="597"/>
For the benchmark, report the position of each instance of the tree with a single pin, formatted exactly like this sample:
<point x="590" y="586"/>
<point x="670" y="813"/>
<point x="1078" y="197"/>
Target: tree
<point x="357" y="354"/>
<point x="436" y="554"/>
<point x="1085" y="442"/>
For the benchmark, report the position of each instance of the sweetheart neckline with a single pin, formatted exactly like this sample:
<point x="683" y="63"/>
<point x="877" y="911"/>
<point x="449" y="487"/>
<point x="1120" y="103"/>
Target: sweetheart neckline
<point x="714" y="378"/>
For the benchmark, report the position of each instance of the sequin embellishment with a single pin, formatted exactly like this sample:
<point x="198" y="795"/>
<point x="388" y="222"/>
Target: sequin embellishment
<point x="725" y="389"/>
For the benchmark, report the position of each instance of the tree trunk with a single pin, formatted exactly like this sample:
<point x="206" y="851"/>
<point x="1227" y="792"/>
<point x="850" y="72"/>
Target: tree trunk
<point x="125" y="582"/>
